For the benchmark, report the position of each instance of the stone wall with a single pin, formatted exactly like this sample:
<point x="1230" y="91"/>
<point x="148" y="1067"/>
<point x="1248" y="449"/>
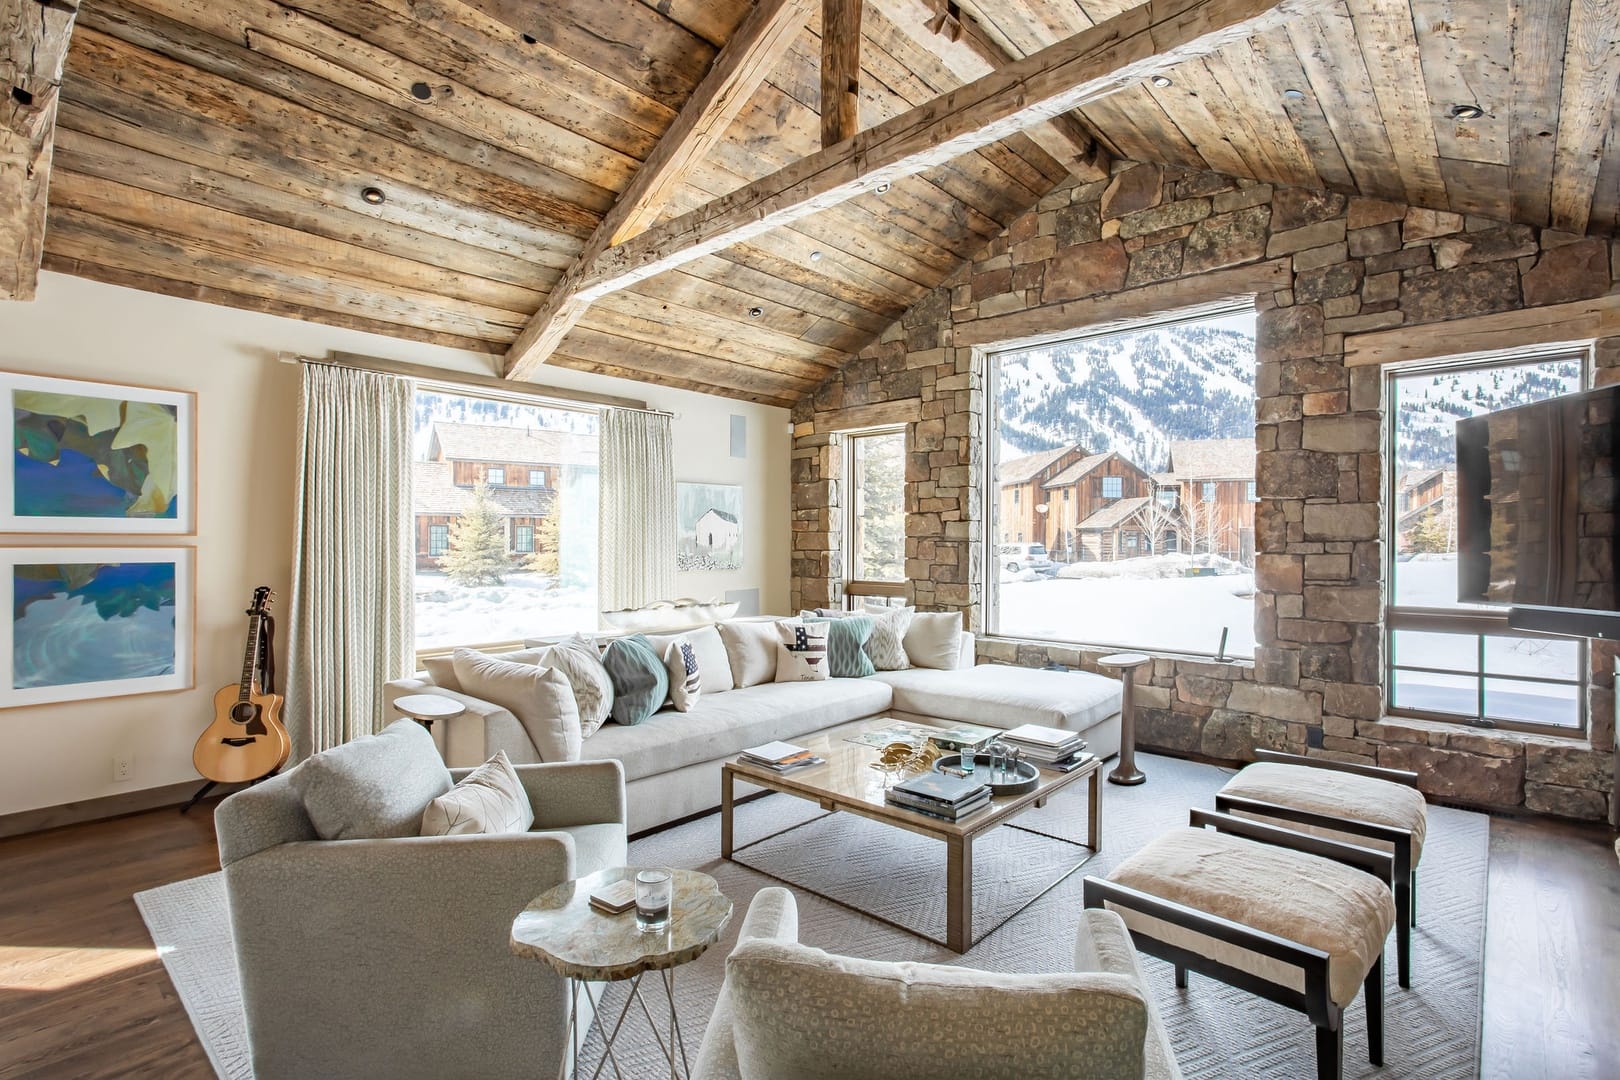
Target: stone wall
<point x="1320" y="267"/>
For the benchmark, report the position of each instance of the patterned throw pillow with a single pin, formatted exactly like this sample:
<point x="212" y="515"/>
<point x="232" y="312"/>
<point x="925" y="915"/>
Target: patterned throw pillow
<point x="490" y="799"/>
<point x="580" y="661"/>
<point x="887" y="646"/>
<point x="846" y="646"/>
<point x="802" y="654"/>
<point x="640" y="680"/>
<point x="685" y="674"/>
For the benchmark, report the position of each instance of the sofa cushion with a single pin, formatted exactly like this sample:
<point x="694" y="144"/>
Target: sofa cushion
<point x="581" y="663"/>
<point x="640" y="680"/>
<point x="751" y="649"/>
<point x="724" y="724"/>
<point x="803" y="1013"/>
<point x="1336" y="794"/>
<point x="490" y="799"/>
<point x="935" y="640"/>
<point x="887" y="645"/>
<point x="442" y="669"/>
<point x="801" y="651"/>
<point x="1000" y="695"/>
<point x="685" y="676"/>
<point x="373" y="787"/>
<point x="540" y="697"/>
<point x="846" y="645"/>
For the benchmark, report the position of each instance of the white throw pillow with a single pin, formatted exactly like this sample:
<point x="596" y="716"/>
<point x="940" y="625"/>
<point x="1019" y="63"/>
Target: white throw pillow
<point x="935" y="640"/>
<point x="442" y="669"/>
<point x="581" y="662"/>
<point x="713" y="663"/>
<point x="886" y="647"/>
<point x="685" y="673"/>
<point x="751" y="651"/>
<point x="540" y="698"/>
<point x="801" y="655"/>
<point x="490" y="799"/>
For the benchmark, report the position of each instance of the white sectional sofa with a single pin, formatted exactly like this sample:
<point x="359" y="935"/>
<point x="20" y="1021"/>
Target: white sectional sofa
<point x="672" y="760"/>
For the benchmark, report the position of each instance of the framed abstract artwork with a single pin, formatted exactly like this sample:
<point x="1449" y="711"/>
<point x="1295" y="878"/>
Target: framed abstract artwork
<point x="709" y="517"/>
<point x="90" y="457"/>
<point x="94" y="622"/>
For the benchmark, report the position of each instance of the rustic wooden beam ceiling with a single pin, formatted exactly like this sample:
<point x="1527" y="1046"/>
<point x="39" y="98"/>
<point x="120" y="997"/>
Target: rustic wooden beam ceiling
<point x="1130" y="47"/>
<point x="748" y="57"/>
<point x="840" y="70"/>
<point x="36" y="35"/>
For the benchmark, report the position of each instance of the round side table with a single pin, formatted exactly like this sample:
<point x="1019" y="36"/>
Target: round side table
<point x="426" y="708"/>
<point x="1126" y="664"/>
<point x="561" y="929"/>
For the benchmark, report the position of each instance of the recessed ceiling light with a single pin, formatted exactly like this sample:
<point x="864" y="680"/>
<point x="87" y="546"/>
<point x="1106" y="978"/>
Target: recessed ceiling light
<point x="815" y="256"/>
<point x="1162" y="81"/>
<point x="1294" y="95"/>
<point x="755" y="312"/>
<point x="373" y="195"/>
<point x="1465" y="112"/>
<point x="882" y="187"/>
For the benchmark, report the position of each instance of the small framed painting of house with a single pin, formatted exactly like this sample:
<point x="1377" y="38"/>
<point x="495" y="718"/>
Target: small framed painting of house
<point x="710" y="521"/>
<point x="90" y="457"/>
<point x="90" y="622"/>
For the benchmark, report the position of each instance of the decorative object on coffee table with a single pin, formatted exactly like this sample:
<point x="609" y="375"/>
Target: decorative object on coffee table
<point x="1126" y="664"/>
<point x="562" y="929"/>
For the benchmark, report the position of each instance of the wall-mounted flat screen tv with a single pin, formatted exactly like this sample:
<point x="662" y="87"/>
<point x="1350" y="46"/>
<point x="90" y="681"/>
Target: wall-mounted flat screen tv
<point x="1536" y="494"/>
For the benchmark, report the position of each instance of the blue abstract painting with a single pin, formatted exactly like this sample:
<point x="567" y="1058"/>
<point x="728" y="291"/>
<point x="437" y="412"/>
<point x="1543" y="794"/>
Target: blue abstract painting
<point x="92" y="622"/>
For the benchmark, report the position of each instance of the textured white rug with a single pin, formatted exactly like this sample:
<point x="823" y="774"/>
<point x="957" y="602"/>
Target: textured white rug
<point x="1431" y="1031"/>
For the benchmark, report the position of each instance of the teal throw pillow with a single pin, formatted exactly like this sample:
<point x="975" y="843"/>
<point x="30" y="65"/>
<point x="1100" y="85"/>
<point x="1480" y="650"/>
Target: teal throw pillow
<point x="640" y="680"/>
<point x="846" y="646"/>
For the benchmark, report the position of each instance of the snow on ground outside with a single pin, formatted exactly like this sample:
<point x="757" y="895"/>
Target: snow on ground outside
<point x="1167" y="614"/>
<point x="525" y="606"/>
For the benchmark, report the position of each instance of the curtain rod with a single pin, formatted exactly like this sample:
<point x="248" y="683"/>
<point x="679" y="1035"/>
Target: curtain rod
<point x="490" y="385"/>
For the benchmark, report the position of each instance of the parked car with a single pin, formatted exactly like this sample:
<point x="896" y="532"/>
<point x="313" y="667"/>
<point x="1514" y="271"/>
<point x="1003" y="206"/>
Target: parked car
<point x="1017" y="557"/>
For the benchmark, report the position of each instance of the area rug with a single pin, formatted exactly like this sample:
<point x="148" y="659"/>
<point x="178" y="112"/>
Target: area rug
<point x="1218" y="1033"/>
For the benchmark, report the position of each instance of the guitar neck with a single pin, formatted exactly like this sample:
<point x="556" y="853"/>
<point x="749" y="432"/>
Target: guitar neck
<point x="250" y="658"/>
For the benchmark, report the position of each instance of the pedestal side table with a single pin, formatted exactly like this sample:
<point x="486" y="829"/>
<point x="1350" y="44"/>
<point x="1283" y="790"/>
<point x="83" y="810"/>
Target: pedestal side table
<point x="1126" y="664"/>
<point x="561" y="929"/>
<point x="426" y="708"/>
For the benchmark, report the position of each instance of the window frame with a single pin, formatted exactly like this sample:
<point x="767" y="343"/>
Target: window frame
<point x="1466" y="622"/>
<point x="495" y="475"/>
<point x="873" y="587"/>
<point x="1117" y="483"/>
<point x="433" y="532"/>
<point x="517" y="541"/>
<point x="541" y="473"/>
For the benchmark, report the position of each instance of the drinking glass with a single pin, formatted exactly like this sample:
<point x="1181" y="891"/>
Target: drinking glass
<point x="652" y="900"/>
<point x="998" y="761"/>
<point x="967" y="758"/>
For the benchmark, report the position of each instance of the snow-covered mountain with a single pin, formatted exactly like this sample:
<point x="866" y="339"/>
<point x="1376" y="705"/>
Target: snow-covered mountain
<point x="1134" y="393"/>
<point x="1131" y="393"/>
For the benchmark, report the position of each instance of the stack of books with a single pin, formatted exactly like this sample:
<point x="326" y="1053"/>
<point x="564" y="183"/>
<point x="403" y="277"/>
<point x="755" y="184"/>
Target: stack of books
<point x="780" y="756"/>
<point x="1049" y="747"/>
<point x="950" y="798"/>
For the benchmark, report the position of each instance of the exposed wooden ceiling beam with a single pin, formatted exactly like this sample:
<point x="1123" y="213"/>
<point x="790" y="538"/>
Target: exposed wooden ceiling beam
<point x="35" y="35"/>
<point x="1123" y="50"/>
<point x="969" y="50"/>
<point x="840" y="70"/>
<point x="747" y="59"/>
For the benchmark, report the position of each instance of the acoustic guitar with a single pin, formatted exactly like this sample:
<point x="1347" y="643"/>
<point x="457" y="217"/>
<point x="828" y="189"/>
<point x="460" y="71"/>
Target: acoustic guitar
<point x="246" y="741"/>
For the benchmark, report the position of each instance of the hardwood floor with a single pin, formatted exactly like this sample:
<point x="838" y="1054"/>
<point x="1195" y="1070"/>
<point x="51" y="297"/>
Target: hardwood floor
<point x="83" y="993"/>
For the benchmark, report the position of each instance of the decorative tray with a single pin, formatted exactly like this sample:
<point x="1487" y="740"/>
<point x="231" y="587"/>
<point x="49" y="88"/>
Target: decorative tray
<point x="1028" y="774"/>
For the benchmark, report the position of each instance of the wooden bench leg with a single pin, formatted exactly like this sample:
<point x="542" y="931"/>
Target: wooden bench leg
<point x="1330" y="1051"/>
<point x="1414" y="898"/>
<point x="1373" y="995"/>
<point x="1181" y="977"/>
<point x="1403" y="932"/>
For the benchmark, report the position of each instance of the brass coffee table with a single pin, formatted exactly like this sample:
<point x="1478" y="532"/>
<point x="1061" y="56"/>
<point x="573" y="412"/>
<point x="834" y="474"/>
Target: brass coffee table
<point x="848" y="783"/>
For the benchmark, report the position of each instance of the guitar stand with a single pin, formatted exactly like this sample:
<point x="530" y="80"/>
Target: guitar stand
<point x="202" y="792"/>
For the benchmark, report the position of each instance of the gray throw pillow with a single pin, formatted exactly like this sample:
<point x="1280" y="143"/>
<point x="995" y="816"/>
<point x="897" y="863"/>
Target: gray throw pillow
<point x="640" y="680"/>
<point x="372" y="787"/>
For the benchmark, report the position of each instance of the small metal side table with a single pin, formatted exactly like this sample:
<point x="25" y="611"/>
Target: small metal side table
<point x="1126" y="664"/>
<point x="561" y="929"/>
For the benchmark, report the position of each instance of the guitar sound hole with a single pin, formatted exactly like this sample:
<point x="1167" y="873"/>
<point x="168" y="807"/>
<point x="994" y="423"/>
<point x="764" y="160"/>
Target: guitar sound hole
<point x="244" y="712"/>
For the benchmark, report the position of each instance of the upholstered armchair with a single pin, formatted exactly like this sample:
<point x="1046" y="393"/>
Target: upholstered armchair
<point x="790" y="1012"/>
<point x="389" y="957"/>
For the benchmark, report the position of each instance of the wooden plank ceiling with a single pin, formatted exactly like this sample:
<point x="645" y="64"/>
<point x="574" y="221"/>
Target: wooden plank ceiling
<point x="218" y="149"/>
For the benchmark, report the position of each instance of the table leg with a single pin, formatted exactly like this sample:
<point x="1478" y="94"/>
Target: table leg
<point x="1126" y="771"/>
<point x="725" y="811"/>
<point x="959" y="893"/>
<point x="1094" y="815"/>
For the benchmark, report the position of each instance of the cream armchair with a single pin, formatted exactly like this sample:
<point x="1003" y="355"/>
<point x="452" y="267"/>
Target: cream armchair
<point x="790" y="1012"/>
<point x="389" y="957"/>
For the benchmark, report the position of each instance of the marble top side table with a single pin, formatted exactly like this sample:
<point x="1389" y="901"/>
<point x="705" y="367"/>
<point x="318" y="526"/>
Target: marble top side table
<point x="562" y="930"/>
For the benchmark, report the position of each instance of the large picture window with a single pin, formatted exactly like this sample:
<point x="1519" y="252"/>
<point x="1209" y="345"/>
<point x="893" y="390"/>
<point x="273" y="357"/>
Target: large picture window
<point x="1120" y="506"/>
<point x="1449" y="660"/>
<point x="876" y="479"/>
<point x="497" y="562"/>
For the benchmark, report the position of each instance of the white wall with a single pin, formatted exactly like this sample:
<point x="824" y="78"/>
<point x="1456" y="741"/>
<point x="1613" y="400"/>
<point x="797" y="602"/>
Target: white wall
<point x="247" y="408"/>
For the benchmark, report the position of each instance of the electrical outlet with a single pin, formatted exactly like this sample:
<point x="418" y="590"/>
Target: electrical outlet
<point x="123" y="764"/>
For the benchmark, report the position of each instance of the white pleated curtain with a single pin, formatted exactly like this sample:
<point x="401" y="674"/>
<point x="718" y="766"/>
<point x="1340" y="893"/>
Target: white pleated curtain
<point x="352" y="627"/>
<point x="636" y="537"/>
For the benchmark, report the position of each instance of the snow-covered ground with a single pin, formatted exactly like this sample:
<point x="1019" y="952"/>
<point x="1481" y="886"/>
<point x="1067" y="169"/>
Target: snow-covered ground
<point x="527" y="605"/>
<point x="1171" y="614"/>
